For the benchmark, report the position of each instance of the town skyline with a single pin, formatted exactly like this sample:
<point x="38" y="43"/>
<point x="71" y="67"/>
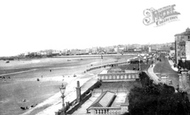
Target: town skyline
<point x="114" y="49"/>
<point x="39" y="25"/>
<point x="91" y="48"/>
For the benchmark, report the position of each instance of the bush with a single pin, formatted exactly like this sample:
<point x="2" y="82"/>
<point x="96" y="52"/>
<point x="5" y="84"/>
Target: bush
<point x="152" y="99"/>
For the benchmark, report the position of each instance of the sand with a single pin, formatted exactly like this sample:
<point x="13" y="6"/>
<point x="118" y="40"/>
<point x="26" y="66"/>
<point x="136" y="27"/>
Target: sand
<point x="23" y="84"/>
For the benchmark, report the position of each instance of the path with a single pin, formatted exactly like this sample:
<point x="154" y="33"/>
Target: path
<point x="54" y="102"/>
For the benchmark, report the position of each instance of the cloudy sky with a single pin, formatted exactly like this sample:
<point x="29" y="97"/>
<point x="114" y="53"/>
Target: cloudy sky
<point x="62" y="24"/>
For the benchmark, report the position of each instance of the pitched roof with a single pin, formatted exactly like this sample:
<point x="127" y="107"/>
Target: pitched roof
<point x="104" y="100"/>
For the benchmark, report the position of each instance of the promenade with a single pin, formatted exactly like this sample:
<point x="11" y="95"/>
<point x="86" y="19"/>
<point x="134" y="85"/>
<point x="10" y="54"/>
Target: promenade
<point x="54" y="103"/>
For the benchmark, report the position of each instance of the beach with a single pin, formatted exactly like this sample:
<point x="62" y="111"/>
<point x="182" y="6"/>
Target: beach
<point x="23" y="88"/>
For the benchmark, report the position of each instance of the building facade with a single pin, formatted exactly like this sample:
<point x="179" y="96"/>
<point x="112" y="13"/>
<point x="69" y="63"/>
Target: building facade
<point x="182" y="46"/>
<point x="182" y="59"/>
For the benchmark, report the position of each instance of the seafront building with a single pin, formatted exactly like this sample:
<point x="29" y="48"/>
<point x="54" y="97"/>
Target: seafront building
<point x="106" y="94"/>
<point x="182" y="46"/>
<point x="116" y="74"/>
<point x="182" y="59"/>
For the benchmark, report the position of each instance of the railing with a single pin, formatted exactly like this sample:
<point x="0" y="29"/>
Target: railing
<point x="107" y="110"/>
<point x="115" y="90"/>
<point x="106" y="65"/>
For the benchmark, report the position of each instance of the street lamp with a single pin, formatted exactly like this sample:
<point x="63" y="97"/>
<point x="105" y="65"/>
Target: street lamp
<point x="139" y="62"/>
<point x="62" y="90"/>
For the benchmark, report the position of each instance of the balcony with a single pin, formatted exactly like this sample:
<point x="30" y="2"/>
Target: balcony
<point x="108" y="110"/>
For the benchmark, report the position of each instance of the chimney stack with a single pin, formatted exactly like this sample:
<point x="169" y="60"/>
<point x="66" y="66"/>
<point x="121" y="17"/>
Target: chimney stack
<point x="78" y="91"/>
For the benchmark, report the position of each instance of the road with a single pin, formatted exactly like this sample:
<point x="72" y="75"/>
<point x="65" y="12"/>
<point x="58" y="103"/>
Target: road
<point x="163" y="67"/>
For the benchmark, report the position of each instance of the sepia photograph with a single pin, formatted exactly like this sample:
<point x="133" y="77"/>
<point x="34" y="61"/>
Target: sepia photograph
<point x="94" y="57"/>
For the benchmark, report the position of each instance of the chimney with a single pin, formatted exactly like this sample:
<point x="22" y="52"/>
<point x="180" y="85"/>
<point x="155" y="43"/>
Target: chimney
<point x="78" y="91"/>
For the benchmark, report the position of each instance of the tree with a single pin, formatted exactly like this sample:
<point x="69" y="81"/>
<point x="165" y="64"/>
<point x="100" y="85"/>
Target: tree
<point x="158" y="99"/>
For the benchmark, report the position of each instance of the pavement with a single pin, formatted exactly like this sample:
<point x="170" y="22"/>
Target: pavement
<point x="172" y="65"/>
<point x="152" y="75"/>
<point x="164" y="67"/>
<point x="54" y="103"/>
<point x="186" y="82"/>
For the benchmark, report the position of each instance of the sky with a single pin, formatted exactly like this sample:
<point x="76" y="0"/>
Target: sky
<point x="33" y="25"/>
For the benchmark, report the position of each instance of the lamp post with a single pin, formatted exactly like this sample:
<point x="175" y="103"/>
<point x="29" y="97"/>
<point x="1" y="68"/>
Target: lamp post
<point x="101" y="59"/>
<point x="139" y="62"/>
<point x="62" y="90"/>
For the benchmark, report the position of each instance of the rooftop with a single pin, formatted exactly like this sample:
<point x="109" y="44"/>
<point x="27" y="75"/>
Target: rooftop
<point x="116" y="70"/>
<point x="104" y="100"/>
<point x="187" y="32"/>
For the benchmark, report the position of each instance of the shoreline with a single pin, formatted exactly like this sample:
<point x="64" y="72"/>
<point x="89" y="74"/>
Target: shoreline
<point x="24" y="83"/>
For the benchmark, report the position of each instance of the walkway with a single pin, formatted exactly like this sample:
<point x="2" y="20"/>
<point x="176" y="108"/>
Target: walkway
<point x="172" y="65"/>
<point x="56" y="102"/>
<point x="152" y="75"/>
<point x="82" y="110"/>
